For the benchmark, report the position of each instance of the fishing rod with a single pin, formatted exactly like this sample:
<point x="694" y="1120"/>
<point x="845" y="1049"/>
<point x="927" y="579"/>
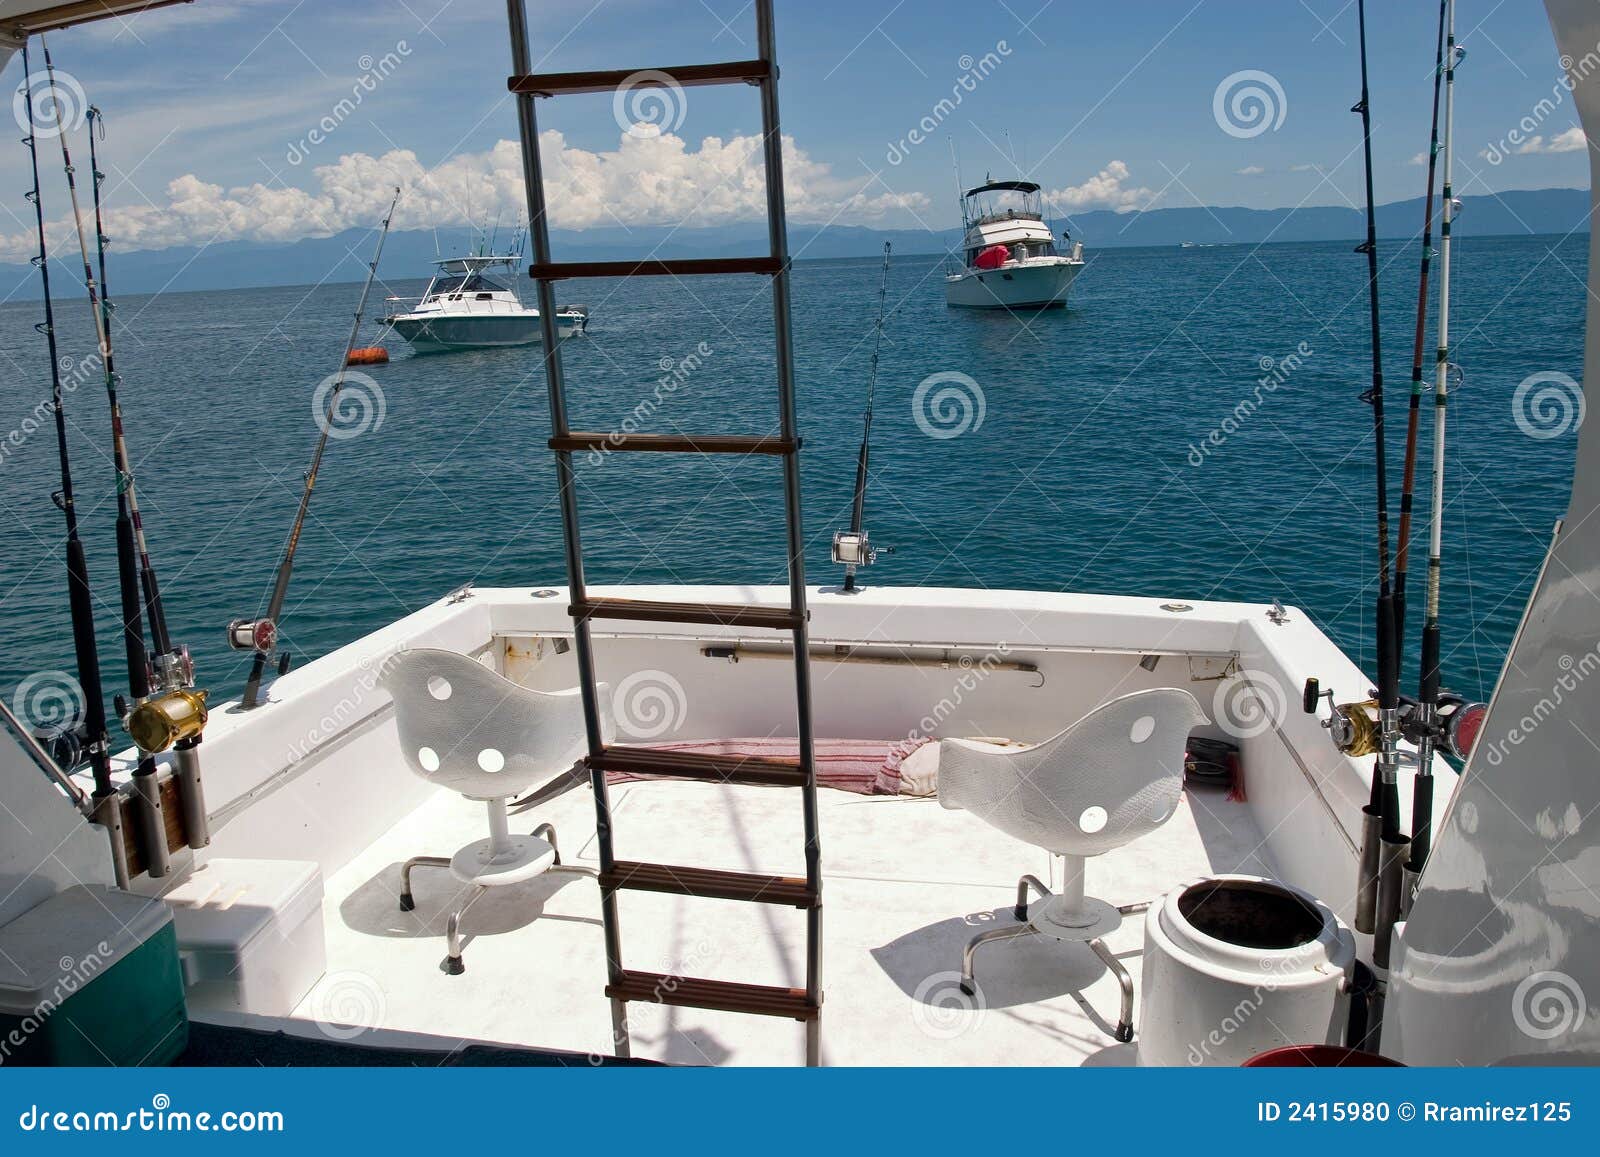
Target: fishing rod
<point x="853" y="547"/>
<point x="135" y="590"/>
<point x="1441" y="720"/>
<point x="1413" y="416"/>
<point x="260" y="635"/>
<point x="1352" y="726"/>
<point x="95" y="739"/>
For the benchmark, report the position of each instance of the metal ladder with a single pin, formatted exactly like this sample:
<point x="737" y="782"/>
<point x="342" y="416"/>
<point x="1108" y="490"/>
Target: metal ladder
<point x="623" y="984"/>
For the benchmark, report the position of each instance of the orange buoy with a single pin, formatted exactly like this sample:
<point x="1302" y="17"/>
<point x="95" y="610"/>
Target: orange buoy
<point x="367" y="356"/>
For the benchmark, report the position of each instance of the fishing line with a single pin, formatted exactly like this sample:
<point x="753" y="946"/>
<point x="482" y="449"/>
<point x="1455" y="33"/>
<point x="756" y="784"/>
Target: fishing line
<point x="853" y="547"/>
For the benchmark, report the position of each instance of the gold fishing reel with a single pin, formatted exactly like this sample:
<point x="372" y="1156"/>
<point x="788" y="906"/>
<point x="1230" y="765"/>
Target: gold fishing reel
<point x="1353" y="727"/>
<point x="168" y="718"/>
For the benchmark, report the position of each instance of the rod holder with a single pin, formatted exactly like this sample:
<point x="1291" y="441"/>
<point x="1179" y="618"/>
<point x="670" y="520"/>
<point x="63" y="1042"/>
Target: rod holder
<point x="108" y="814"/>
<point x="192" y="793"/>
<point x="1367" y="873"/>
<point x="1392" y="855"/>
<point x="151" y="823"/>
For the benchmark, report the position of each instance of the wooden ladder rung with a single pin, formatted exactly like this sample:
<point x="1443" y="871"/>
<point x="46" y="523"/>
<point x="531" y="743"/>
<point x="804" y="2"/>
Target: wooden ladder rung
<point x="709" y="884"/>
<point x="744" y="770"/>
<point x="675" y="267"/>
<point x="716" y="614"/>
<point x="723" y="995"/>
<point x="683" y="76"/>
<point x="675" y="443"/>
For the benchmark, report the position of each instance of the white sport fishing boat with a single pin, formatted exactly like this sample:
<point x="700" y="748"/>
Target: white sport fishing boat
<point x="464" y="308"/>
<point x="1008" y="255"/>
<point x="431" y="840"/>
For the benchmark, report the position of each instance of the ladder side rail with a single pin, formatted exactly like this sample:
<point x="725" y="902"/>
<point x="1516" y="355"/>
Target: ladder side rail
<point x="583" y="647"/>
<point x="777" y="231"/>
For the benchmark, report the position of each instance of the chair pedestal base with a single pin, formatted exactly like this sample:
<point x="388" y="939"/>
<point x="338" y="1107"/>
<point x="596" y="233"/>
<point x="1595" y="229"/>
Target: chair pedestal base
<point x="484" y="866"/>
<point x="1073" y="918"/>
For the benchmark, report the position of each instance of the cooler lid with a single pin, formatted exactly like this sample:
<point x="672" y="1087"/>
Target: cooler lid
<point x="223" y="904"/>
<point x="57" y="947"/>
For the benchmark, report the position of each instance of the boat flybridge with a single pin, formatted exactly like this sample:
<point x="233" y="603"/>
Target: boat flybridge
<point x="1008" y="255"/>
<point x="465" y="308"/>
<point x="557" y="821"/>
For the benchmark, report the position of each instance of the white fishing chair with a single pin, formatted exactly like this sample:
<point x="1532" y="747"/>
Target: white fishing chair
<point x="464" y="727"/>
<point x="1111" y="777"/>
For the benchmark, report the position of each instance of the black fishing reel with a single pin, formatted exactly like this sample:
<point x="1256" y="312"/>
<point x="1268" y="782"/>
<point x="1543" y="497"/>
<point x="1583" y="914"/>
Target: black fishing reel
<point x="1353" y="727"/>
<point x="65" y="745"/>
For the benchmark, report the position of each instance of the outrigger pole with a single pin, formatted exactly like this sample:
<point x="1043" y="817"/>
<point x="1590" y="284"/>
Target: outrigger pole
<point x="853" y="548"/>
<point x="1427" y="715"/>
<point x="97" y="741"/>
<point x="260" y="635"/>
<point x="1409" y="476"/>
<point x="1383" y="847"/>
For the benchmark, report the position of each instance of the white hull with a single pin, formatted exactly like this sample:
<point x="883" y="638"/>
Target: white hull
<point x="438" y="333"/>
<point x="1033" y="284"/>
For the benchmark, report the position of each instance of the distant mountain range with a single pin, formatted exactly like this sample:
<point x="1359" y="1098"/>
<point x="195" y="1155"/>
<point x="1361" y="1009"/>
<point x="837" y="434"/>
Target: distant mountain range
<point x="246" y="264"/>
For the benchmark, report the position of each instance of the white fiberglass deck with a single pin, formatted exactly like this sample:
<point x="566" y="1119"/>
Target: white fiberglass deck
<point x="907" y="884"/>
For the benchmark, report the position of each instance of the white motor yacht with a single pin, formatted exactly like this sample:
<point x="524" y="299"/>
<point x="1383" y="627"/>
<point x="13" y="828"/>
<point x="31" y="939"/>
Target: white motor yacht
<point x="1008" y="257"/>
<point x="465" y="308"/>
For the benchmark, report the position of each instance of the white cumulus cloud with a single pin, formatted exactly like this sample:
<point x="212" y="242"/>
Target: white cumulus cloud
<point x="1107" y="189"/>
<point x="1569" y="141"/>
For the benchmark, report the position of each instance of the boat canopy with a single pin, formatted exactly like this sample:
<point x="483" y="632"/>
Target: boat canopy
<point x="1025" y="187"/>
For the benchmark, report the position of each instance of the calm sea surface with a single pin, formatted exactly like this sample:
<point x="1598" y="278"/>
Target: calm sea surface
<point x="1089" y="471"/>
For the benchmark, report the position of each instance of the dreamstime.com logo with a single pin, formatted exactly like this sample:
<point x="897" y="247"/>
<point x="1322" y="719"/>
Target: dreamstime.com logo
<point x="948" y="404"/>
<point x="1548" y="1005"/>
<point x="1546" y="405"/>
<point x="649" y="103"/>
<point x="58" y="108"/>
<point x="347" y="1004"/>
<point x="159" y="1117"/>
<point x="358" y="406"/>
<point x="941" y="1008"/>
<point x="1249" y="103"/>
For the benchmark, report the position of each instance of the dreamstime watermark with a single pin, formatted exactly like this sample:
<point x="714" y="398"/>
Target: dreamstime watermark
<point x="942" y="1009"/>
<point x="1546" y="405"/>
<point x="649" y="103"/>
<point x="1525" y="132"/>
<point x="52" y="703"/>
<point x="973" y="73"/>
<point x="74" y="974"/>
<point x="1573" y="673"/>
<point x="348" y="1004"/>
<point x="1248" y="103"/>
<point x="649" y="704"/>
<point x="948" y="404"/>
<point x="1211" y="1047"/>
<point x="373" y="72"/>
<point x="974" y="671"/>
<point x="58" y="108"/>
<point x="1548" y="1005"/>
<point x="358" y="405"/>
<point x="675" y="372"/>
<point x="351" y="707"/>
<point x="72" y="373"/>
<point x="692" y="963"/>
<point x="1275" y="372"/>
<point x="1249" y="704"/>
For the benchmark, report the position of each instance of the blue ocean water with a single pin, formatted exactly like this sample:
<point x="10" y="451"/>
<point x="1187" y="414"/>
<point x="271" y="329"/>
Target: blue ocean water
<point x="1068" y="451"/>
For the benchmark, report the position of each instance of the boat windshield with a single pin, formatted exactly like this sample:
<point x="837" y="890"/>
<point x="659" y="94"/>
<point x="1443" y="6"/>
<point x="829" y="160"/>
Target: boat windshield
<point x="471" y="283"/>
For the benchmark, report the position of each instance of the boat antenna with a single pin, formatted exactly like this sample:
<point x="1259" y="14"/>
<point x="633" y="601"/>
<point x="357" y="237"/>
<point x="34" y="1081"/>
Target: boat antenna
<point x="1408" y="479"/>
<point x="260" y="635"/>
<point x="94" y="737"/>
<point x="1427" y="723"/>
<point x="961" y="200"/>
<point x="853" y="547"/>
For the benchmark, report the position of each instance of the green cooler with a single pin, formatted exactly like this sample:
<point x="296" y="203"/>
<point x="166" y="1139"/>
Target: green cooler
<point x="91" y="977"/>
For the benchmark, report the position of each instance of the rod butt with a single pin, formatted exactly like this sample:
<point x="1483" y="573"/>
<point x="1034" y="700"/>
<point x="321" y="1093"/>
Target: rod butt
<point x="1367" y="878"/>
<point x="1391" y="883"/>
<point x="151" y="822"/>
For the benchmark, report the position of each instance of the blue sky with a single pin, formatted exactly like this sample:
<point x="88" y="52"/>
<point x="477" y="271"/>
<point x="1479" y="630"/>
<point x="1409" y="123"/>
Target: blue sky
<point x="211" y="109"/>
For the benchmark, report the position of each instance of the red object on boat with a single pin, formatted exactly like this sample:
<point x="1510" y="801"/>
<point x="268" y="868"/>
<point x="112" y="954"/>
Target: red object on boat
<point x="992" y="258"/>
<point x="1319" y="1057"/>
<point x="368" y="356"/>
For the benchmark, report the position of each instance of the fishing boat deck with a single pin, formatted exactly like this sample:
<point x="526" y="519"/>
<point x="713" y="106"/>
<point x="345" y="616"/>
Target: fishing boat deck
<point x="907" y="884"/>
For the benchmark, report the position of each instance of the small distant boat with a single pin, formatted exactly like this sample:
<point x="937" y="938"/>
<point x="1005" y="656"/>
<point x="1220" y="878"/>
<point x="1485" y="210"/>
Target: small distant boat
<point x="1187" y="245"/>
<point x="464" y="308"/>
<point x="1009" y="258"/>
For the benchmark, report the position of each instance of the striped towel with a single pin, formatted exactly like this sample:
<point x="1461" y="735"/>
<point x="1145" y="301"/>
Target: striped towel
<point x="862" y="766"/>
